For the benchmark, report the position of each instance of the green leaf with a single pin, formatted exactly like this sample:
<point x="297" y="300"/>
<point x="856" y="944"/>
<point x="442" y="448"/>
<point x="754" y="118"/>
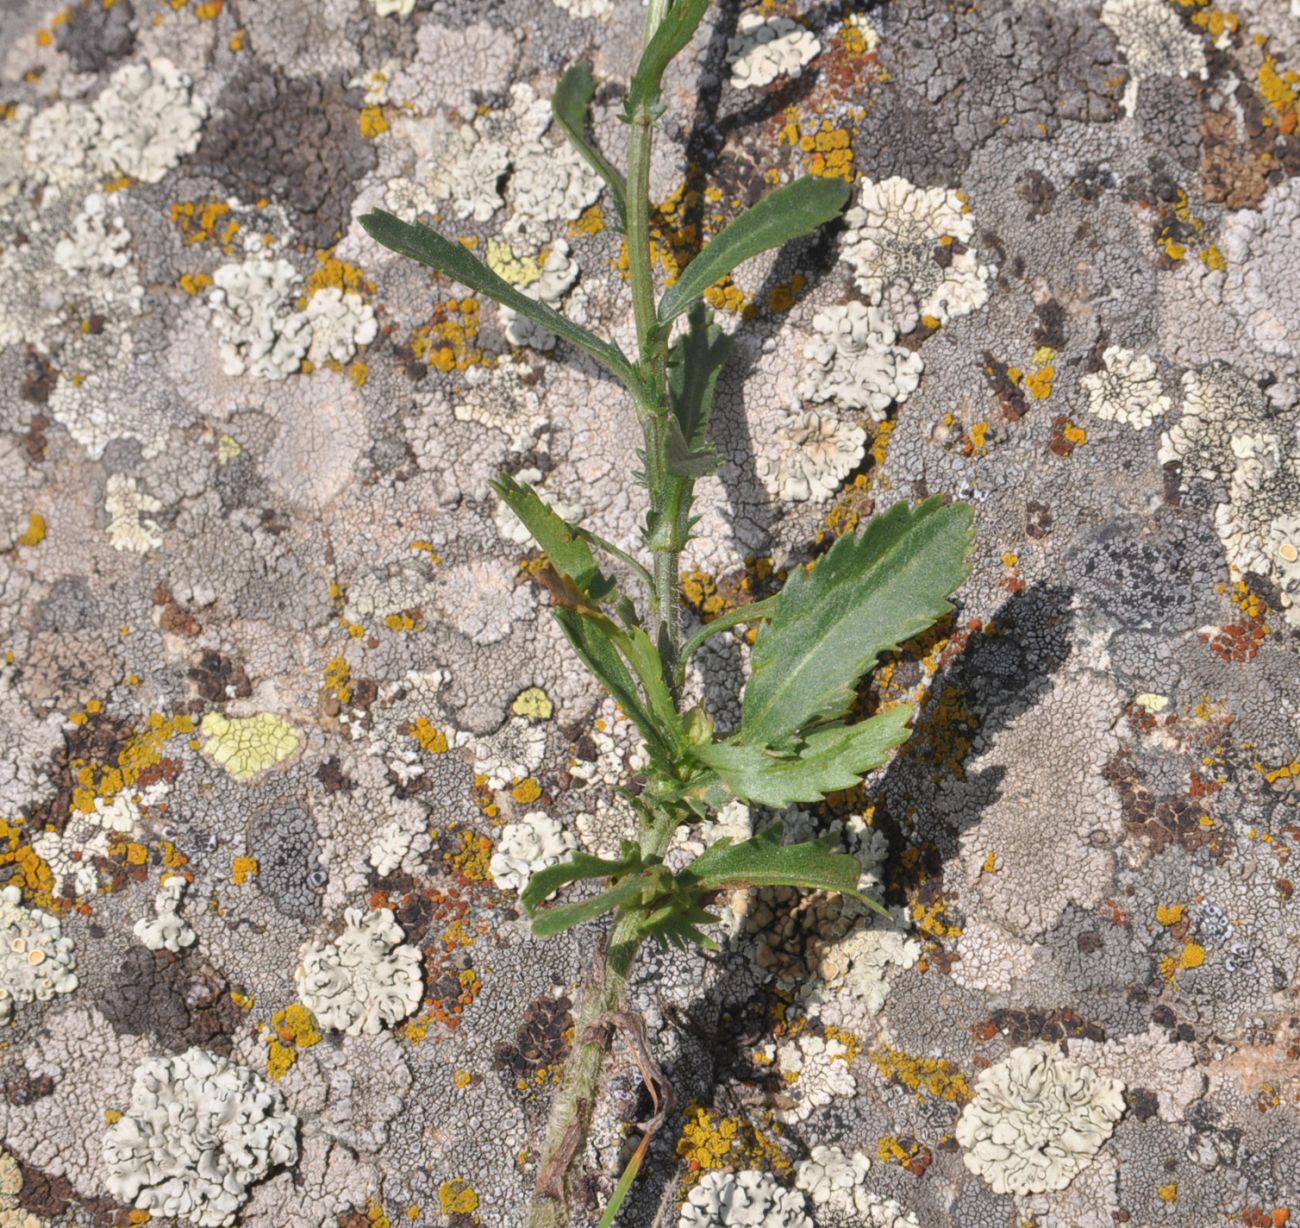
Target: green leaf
<point x="763" y="861"/>
<point x="865" y="596"/>
<point x="430" y="248"/>
<point x="788" y="213"/>
<point x="597" y="649"/>
<point x="674" y="32"/>
<point x="565" y="916"/>
<point x="579" y="866"/>
<point x="694" y="362"/>
<point x="570" y="104"/>
<point x="564" y="546"/>
<point x="677" y="923"/>
<point x="832" y="758"/>
<point x="685" y="461"/>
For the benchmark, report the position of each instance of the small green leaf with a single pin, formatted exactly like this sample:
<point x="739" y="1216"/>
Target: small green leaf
<point x="831" y="758"/>
<point x="694" y="363"/>
<point x="684" y="461"/>
<point x="865" y="596"/>
<point x="570" y="104"/>
<point x="430" y="248"/>
<point x="677" y="922"/>
<point x="592" y="641"/>
<point x="565" y="916"/>
<point x="788" y="213"/>
<point x="564" y="546"/>
<point x="674" y="32"/>
<point x="763" y="861"/>
<point x="579" y="866"/>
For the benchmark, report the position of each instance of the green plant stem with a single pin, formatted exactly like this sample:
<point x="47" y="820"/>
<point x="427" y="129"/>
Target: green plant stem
<point x="575" y="1100"/>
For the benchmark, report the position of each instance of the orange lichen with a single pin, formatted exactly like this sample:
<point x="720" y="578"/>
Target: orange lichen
<point x="937" y="1078"/>
<point x="447" y="341"/>
<point x="526" y="791"/>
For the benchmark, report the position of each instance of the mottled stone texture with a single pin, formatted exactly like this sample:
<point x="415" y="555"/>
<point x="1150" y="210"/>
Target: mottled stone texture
<point x="272" y="631"/>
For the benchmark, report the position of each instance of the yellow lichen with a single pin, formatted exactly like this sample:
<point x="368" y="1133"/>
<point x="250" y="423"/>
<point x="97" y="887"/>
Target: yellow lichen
<point x="1039" y="384"/>
<point x="430" y="739"/>
<point x="457" y="1197"/>
<point x="1168" y="1193"/>
<point x="247" y="746"/>
<point x="590" y="222"/>
<point x="372" y="122"/>
<point x="1170" y="914"/>
<point x="35" y="533"/>
<point x="338" y="679"/>
<point x="926" y="1076"/>
<point x="533" y="704"/>
<point x="194" y="283"/>
<point x="506" y="263"/>
<point x="472" y="859"/>
<point x="526" y="791"/>
<point x="296" y="1025"/>
<point x="244" y="870"/>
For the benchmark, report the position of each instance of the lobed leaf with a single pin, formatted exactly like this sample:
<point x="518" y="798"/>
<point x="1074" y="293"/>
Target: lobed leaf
<point x="831" y="758"/>
<point x="571" y="104"/>
<point x="788" y="213"/>
<point x="763" y="861"/>
<point x="430" y="248"/>
<point x="865" y="596"/>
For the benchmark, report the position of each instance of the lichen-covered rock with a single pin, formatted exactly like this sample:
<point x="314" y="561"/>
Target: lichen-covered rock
<point x="765" y="48"/>
<point x="752" y="1199"/>
<point x="858" y="366"/>
<point x="37" y="960"/>
<point x="536" y="842"/>
<point x="890" y="239"/>
<point x="1127" y="389"/>
<point x="166" y="930"/>
<point x="1037" y="1121"/>
<point x="364" y="981"/>
<point x="199" y="1132"/>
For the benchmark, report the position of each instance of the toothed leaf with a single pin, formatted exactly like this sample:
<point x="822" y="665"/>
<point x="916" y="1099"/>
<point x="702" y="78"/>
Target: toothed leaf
<point x="865" y="596"/>
<point x="829" y="759"/>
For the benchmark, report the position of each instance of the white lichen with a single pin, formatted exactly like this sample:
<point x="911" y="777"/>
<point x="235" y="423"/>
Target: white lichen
<point x="817" y="453"/>
<point x="559" y="272"/>
<point x="339" y="323"/>
<point x="858" y="366"/>
<point x="833" y="1180"/>
<point x="585" y="10"/>
<point x="128" y="507"/>
<point x="36" y="960"/>
<point x="166" y="930"/>
<point x="512" y="753"/>
<point x="892" y="239"/>
<point x="366" y="980"/>
<point x="1154" y="42"/>
<point x="765" y="48"/>
<point x="99" y="243"/>
<point x="551" y="183"/>
<point x="1127" y="389"/>
<point x="1261" y="284"/>
<point x="747" y="1199"/>
<point x="262" y="333"/>
<point x="199" y="1132"/>
<point x="393" y="8"/>
<point x="535" y="843"/>
<point x="1037" y="1121"/>
<point x="148" y="121"/>
<point x="814" y="1071"/>
<point x="390" y="846"/>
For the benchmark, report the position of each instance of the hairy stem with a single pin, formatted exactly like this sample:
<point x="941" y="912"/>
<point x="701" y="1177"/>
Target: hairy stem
<point x="575" y="1101"/>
